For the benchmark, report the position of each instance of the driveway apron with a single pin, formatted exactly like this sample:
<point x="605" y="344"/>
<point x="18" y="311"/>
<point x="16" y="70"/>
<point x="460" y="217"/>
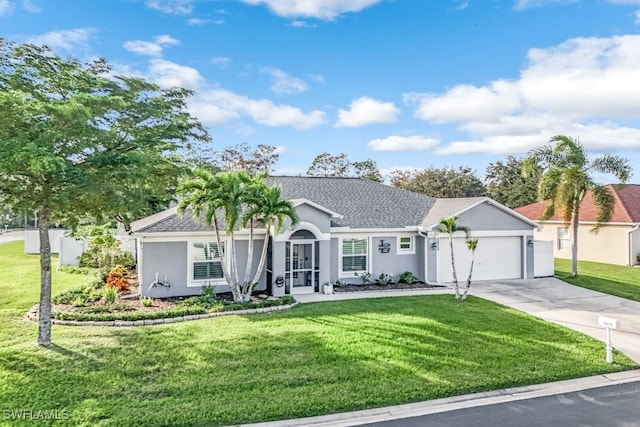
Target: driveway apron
<point x="570" y="306"/>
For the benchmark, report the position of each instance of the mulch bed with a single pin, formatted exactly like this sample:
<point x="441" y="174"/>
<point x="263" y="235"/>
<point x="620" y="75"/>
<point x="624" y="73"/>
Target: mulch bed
<point x="389" y="287"/>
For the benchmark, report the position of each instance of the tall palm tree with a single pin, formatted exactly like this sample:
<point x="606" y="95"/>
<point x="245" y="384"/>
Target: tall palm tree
<point x="450" y="226"/>
<point x="566" y="179"/>
<point x="219" y="196"/>
<point x="268" y="208"/>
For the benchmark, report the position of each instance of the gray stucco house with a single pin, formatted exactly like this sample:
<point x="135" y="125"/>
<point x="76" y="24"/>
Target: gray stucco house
<point x="348" y="226"/>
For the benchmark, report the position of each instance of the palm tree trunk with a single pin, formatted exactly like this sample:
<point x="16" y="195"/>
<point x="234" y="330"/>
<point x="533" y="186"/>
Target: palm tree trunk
<point x="247" y="272"/>
<point x="223" y="258"/>
<point x="453" y="269"/>
<point x="574" y="240"/>
<point x="466" y="290"/>
<point x="263" y="254"/>
<point x="44" y="316"/>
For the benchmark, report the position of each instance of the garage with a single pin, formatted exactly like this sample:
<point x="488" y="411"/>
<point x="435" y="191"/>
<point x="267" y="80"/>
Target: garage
<point x="497" y="258"/>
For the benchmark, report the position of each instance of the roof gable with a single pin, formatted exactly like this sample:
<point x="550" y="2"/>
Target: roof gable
<point x="626" y="206"/>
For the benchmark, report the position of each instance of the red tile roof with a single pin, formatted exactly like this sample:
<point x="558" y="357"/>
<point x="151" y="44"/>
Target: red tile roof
<point x="626" y="206"/>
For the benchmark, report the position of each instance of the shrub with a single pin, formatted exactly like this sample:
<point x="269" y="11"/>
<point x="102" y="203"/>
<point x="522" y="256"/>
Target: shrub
<point x="127" y="316"/>
<point x="407" y="277"/>
<point x="88" y="292"/>
<point x="365" y="278"/>
<point x="103" y="250"/>
<point x="384" y="279"/>
<point x="146" y="301"/>
<point x="116" y="279"/>
<point x="110" y="294"/>
<point x="76" y="270"/>
<point x="79" y="301"/>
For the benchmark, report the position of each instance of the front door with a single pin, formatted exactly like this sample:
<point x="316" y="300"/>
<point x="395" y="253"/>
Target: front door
<point x="301" y="267"/>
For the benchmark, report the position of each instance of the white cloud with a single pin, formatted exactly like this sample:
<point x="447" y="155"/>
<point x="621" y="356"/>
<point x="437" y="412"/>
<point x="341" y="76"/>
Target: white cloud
<point x="197" y="21"/>
<point x="301" y="24"/>
<point x="65" y="39"/>
<point x="220" y="106"/>
<point x="403" y="143"/>
<point x="31" y="7"/>
<point x="528" y="4"/>
<point x="221" y="61"/>
<point x="172" y="7"/>
<point x="284" y="84"/>
<point x="365" y="111"/>
<point x="155" y="48"/>
<point x="584" y="87"/>
<point x="320" y="9"/>
<point x="169" y="74"/>
<point x="478" y="103"/>
<point x="6" y="7"/>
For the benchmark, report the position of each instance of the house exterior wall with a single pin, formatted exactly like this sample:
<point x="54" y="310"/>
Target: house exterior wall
<point x="488" y="217"/>
<point x="611" y="245"/>
<point x="171" y="258"/>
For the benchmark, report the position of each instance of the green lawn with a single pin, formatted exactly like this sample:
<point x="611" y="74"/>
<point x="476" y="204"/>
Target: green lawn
<point x="315" y="359"/>
<point x="618" y="280"/>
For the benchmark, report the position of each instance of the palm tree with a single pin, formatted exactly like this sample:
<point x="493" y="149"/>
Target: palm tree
<point x="472" y="245"/>
<point x="216" y="195"/>
<point x="566" y="179"/>
<point x="450" y="226"/>
<point x="268" y="207"/>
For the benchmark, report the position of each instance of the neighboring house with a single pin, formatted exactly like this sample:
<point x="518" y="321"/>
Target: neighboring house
<point x="348" y="227"/>
<point x="616" y="242"/>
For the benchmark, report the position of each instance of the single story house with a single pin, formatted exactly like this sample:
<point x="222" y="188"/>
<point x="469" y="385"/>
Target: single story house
<point x="348" y="227"/>
<point x="616" y="242"/>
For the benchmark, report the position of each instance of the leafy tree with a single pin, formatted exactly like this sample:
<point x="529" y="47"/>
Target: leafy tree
<point x="450" y="227"/>
<point x="76" y="142"/>
<point x="262" y="159"/>
<point x="506" y="184"/>
<point x="439" y="182"/>
<point x="566" y="179"/>
<point x="236" y="198"/>
<point x="367" y="169"/>
<point x="325" y="164"/>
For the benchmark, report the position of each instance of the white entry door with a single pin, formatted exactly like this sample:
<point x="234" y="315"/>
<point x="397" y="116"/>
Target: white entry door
<point x="301" y="267"/>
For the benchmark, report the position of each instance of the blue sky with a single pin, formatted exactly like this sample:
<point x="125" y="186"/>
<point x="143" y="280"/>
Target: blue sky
<point x="407" y="83"/>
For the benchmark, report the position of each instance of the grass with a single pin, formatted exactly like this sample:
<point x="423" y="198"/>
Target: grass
<point x="315" y="359"/>
<point x="618" y="280"/>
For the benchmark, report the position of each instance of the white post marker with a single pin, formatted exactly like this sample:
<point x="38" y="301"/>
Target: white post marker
<point x="610" y="324"/>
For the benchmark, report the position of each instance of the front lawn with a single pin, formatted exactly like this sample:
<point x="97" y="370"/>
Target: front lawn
<point x="618" y="280"/>
<point x="314" y="359"/>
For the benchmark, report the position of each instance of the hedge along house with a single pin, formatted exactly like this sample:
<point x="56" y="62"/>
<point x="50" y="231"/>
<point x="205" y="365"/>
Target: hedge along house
<point x="348" y="227"/>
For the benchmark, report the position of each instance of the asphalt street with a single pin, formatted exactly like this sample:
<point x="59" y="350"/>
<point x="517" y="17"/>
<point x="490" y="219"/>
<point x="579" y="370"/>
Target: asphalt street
<point x="610" y="406"/>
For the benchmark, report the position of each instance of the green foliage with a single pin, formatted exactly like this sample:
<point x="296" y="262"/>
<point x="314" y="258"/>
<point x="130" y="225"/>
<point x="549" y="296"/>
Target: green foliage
<point x="109" y="294"/>
<point x="146" y="301"/>
<point x="262" y="159"/>
<point x="567" y="178"/>
<point x="88" y="293"/>
<point x="619" y="280"/>
<point x="365" y="278"/>
<point x="384" y="279"/>
<point x="326" y="164"/>
<point x="407" y="277"/>
<point x="506" y="183"/>
<point x="79" y="301"/>
<point x="439" y="182"/>
<point x="127" y="316"/>
<point x="76" y="270"/>
<point x="103" y="251"/>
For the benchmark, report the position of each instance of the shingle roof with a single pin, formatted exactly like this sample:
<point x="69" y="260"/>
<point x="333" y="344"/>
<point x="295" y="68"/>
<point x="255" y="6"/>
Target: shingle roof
<point x="362" y="204"/>
<point x="626" y="206"/>
<point x="446" y="208"/>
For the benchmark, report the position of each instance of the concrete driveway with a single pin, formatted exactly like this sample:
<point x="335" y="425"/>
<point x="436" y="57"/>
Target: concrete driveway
<point x="570" y="306"/>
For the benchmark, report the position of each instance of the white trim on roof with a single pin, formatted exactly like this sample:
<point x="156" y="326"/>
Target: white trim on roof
<point x="490" y="202"/>
<point x="298" y="202"/>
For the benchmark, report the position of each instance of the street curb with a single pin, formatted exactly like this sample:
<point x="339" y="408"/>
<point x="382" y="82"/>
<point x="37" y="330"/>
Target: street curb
<point x="446" y="404"/>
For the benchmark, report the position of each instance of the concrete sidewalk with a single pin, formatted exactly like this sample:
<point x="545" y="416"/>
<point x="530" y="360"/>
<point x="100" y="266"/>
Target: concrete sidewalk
<point x="409" y="410"/>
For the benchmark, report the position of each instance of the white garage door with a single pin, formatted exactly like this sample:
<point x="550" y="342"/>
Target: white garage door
<point x="497" y="258"/>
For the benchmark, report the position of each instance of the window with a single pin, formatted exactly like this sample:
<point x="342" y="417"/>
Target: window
<point x="207" y="262"/>
<point x="354" y="256"/>
<point x="563" y="239"/>
<point x="405" y="245"/>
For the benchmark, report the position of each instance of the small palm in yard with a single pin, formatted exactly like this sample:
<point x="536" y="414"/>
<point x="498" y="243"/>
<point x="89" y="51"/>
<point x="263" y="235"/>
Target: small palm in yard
<point x="472" y="245"/>
<point x="450" y="227"/>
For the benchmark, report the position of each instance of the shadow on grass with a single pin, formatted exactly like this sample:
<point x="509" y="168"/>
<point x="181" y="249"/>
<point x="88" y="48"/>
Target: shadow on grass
<point x="315" y="359"/>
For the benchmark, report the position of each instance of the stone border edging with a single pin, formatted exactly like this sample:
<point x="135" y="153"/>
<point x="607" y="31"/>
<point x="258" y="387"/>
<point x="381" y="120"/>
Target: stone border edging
<point x="32" y="315"/>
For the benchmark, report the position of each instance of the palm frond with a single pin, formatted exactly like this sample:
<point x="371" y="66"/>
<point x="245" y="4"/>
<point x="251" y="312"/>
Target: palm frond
<point x="604" y="201"/>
